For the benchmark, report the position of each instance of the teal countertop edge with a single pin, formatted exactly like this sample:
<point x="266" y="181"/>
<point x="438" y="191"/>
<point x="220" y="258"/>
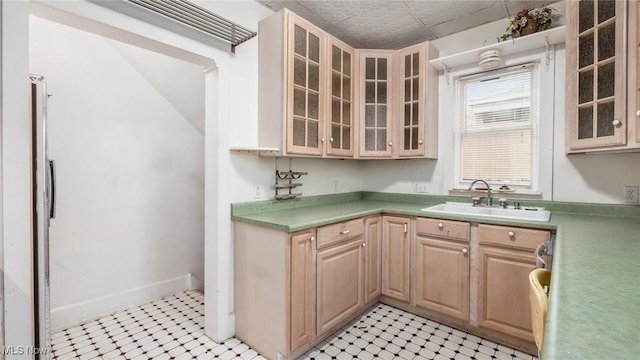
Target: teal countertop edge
<point x="594" y="303"/>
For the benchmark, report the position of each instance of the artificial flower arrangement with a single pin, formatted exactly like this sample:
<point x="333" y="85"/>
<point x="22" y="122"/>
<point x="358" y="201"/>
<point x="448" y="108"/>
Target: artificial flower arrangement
<point x="528" y="21"/>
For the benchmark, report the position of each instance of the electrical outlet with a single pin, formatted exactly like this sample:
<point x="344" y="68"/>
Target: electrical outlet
<point x="420" y="187"/>
<point x="257" y="192"/>
<point x="631" y="194"/>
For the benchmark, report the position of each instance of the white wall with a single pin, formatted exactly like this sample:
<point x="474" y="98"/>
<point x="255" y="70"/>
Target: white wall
<point x="130" y="176"/>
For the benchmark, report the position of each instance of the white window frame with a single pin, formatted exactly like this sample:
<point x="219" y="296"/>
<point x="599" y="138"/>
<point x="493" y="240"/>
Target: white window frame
<point x="542" y="139"/>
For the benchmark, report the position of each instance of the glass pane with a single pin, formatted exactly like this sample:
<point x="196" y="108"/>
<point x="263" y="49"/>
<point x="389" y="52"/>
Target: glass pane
<point x="407" y="90"/>
<point x="415" y="88"/>
<point x="298" y="132"/>
<point x="407" y="114"/>
<point x="407" y="139"/>
<point x="407" y="66"/>
<point x="416" y="64"/>
<point x="585" y="123"/>
<point x="585" y="86"/>
<point x="314" y="48"/>
<point x="312" y="134"/>
<point x="370" y="92"/>
<point x="382" y="116"/>
<point x="414" y="138"/>
<point x="335" y="111"/>
<point x="346" y="138"/>
<point x="335" y="84"/>
<point x="370" y="115"/>
<point x="299" y="72"/>
<point x="300" y="41"/>
<point x="382" y="92"/>
<point x="346" y="113"/>
<point x="382" y="69"/>
<point x="585" y="51"/>
<point x="370" y="139"/>
<point x="313" y="105"/>
<point x="605" y="119"/>
<point x="314" y="77"/>
<point x="335" y="134"/>
<point x="606" y="80"/>
<point x="606" y="10"/>
<point x="346" y="88"/>
<point x="335" y="58"/>
<point x="346" y="63"/>
<point x="585" y="15"/>
<point x="415" y="113"/>
<point x="381" y="140"/>
<point x="607" y="42"/>
<point x="370" y="68"/>
<point x="299" y="103"/>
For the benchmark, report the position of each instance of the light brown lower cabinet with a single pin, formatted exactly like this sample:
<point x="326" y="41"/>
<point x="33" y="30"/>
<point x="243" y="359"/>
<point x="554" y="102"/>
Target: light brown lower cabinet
<point x="441" y="257"/>
<point x="302" y="296"/>
<point x="505" y="259"/>
<point x="396" y="247"/>
<point x="373" y="258"/>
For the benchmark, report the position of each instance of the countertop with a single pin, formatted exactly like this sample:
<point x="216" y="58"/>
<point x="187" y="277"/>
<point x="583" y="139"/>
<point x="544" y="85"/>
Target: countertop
<point x="594" y="304"/>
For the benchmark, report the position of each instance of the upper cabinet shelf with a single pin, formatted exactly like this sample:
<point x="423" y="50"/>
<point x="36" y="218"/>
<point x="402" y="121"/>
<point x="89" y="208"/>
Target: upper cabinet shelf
<point x="540" y="39"/>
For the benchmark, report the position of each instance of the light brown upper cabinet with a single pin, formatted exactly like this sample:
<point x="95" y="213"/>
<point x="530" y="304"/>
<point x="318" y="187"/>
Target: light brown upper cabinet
<point x="597" y="118"/>
<point x="340" y="129"/>
<point x="291" y="84"/>
<point x="634" y="75"/>
<point x="418" y="103"/>
<point x="376" y="96"/>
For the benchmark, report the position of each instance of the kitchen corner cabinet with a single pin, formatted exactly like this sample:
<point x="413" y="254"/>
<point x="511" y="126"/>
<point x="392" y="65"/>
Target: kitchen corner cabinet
<point x="291" y="84"/>
<point x="373" y="258"/>
<point x="598" y="69"/>
<point x="441" y="257"/>
<point x="376" y="97"/>
<point x="418" y="102"/>
<point x="340" y="274"/>
<point x="505" y="259"/>
<point x="396" y="252"/>
<point x="633" y="115"/>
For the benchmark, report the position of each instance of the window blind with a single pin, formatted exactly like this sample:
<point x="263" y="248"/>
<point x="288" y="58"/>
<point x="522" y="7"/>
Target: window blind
<point x="497" y="116"/>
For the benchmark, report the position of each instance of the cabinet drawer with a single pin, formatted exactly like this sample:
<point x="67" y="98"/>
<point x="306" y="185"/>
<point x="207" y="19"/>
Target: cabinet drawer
<point x="526" y="239"/>
<point x="333" y="234"/>
<point x="443" y="228"/>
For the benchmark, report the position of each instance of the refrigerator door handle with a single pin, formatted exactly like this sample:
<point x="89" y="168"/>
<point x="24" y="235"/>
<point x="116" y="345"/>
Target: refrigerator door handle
<point x="52" y="189"/>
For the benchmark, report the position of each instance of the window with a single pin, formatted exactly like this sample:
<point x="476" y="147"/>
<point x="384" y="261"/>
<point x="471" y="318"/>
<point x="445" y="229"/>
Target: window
<point x="497" y="126"/>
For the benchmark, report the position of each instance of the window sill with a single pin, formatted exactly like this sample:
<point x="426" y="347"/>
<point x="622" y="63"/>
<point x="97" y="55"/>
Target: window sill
<point x="510" y="194"/>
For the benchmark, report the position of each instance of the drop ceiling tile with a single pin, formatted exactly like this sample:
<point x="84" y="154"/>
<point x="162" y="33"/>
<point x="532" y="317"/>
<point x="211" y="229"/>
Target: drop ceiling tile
<point x="496" y="12"/>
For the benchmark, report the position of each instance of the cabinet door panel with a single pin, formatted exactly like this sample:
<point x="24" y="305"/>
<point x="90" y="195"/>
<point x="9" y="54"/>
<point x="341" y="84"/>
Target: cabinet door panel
<point x="302" y="291"/>
<point x="412" y="68"/>
<point x="504" y="291"/>
<point x="376" y="99"/>
<point x="373" y="258"/>
<point x="340" y="100"/>
<point x="340" y="288"/>
<point x="395" y="257"/>
<point x="442" y="276"/>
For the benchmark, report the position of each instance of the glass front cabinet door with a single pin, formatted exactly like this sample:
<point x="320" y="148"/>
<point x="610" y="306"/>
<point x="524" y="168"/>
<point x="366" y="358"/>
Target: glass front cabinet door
<point x="596" y="75"/>
<point x="376" y="103"/>
<point x="340" y="129"/>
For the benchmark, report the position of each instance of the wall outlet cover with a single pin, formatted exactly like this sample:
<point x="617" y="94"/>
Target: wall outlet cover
<point x="631" y="194"/>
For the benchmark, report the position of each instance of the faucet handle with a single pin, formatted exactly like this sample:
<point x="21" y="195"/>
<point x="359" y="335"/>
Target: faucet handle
<point x="476" y="200"/>
<point x="503" y="203"/>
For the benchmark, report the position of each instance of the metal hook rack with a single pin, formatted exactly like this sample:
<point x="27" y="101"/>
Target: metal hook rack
<point x="285" y="181"/>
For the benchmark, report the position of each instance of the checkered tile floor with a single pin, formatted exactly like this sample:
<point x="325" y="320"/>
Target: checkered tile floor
<point x="173" y="328"/>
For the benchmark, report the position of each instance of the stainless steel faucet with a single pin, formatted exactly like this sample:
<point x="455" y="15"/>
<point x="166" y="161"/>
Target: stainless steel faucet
<point x="489" y="199"/>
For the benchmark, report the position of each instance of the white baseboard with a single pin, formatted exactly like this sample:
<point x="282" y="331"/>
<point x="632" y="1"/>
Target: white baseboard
<point x="78" y="313"/>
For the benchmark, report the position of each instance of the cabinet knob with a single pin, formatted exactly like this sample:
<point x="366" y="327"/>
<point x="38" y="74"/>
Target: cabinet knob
<point x="345" y="232"/>
<point x="440" y="226"/>
<point x="511" y="234"/>
<point x="312" y="239"/>
<point x="420" y="142"/>
<point x="638" y="113"/>
<point x="364" y="245"/>
<point x="616" y="122"/>
<point x="390" y="143"/>
<point x="322" y="139"/>
<point x="330" y="139"/>
<point x="465" y="251"/>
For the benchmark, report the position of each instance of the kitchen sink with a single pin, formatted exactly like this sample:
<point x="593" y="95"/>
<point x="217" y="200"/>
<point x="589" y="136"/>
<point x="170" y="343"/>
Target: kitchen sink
<point x="524" y="213"/>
